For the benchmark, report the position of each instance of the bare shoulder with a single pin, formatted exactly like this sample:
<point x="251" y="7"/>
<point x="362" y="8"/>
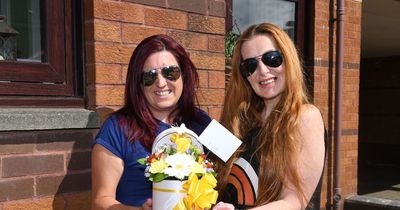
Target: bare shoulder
<point x="310" y="114"/>
<point x="311" y="123"/>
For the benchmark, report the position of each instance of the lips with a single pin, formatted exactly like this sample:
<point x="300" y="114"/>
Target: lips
<point x="268" y="81"/>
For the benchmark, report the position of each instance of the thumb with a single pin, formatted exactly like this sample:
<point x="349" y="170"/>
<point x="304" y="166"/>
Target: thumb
<point x="149" y="201"/>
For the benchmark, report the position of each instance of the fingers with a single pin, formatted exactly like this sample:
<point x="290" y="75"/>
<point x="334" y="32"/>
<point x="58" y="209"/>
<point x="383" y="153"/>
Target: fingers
<point x="148" y="204"/>
<point x="223" y="206"/>
<point x="220" y="206"/>
<point x="149" y="201"/>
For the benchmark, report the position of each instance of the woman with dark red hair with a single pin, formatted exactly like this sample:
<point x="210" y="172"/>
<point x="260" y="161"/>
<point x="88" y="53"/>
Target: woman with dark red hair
<point x="159" y="92"/>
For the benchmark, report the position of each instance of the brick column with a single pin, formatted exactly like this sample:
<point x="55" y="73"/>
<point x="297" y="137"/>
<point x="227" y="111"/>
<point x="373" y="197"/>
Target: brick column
<point x="323" y="71"/>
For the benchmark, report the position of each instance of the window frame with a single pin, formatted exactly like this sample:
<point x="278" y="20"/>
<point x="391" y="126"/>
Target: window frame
<point x="300" y="20"/>
<point x="59" y="81"/>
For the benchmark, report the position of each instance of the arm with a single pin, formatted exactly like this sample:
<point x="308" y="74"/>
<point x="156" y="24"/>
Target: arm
<point x="311" y="160"/>
<point x="106" y="172"/>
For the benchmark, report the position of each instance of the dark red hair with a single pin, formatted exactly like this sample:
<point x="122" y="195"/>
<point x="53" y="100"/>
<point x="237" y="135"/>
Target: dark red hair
<point x="135" y="115"/>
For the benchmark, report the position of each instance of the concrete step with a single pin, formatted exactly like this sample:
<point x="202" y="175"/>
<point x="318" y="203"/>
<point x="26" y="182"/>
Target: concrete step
<point x="368" y="202"/>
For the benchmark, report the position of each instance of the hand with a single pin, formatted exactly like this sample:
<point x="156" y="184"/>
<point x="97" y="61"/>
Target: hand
<point x="223" y="206"/>
<point x="148" y="204"/>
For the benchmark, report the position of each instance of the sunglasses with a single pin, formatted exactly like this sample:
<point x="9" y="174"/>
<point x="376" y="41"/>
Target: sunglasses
<point x="271" y="59"/>
<point x="171" y="73"/>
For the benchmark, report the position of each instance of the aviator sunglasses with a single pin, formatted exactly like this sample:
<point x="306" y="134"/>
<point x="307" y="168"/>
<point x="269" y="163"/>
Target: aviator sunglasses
<point x="271" y="59"/>
<point x="171" y="73"/>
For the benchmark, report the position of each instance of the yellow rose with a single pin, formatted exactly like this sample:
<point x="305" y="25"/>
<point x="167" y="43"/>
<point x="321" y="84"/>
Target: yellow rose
<point x="158" y="166"/>
<point x="182" y="142"/>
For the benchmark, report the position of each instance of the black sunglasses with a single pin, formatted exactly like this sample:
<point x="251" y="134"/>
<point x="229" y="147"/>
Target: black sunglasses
<point x="171" y="73"/>
<point x="272" y="59"/>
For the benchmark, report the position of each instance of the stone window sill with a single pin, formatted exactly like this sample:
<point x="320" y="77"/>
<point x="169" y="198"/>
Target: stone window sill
<point x="14" y="119"/>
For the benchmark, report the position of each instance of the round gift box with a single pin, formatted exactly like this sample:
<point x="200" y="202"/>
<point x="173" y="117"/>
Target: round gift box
<point x="164" y="138"/>
<point x="167" y="193"/>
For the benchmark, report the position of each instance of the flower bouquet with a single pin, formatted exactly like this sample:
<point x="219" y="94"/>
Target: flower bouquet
<point x="183" y="178"/>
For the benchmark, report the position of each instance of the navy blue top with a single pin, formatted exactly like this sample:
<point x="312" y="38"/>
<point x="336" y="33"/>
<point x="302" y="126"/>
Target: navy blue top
<point x="133" y="188"/>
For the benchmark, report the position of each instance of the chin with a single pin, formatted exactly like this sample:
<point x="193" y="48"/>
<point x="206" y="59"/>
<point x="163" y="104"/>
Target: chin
<point x="166" y="106"/>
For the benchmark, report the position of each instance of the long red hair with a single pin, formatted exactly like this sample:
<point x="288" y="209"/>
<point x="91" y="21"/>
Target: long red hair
<point x="277" y="147"/>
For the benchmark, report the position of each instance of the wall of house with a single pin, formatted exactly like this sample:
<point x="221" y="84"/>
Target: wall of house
<point x="323" y="74"/>
<point x="50" y="168"/>
<point x="114" y="28"/>
<point x="45" y="169"/>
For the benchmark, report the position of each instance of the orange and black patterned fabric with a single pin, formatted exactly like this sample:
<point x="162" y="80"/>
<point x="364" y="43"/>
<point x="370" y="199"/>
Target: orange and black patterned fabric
<point x="242" y="186"/>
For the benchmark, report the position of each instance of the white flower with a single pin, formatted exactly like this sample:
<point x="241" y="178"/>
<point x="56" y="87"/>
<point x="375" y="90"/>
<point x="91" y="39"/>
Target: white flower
<point x="147" y="172"/>
<point x="181" y="165"/>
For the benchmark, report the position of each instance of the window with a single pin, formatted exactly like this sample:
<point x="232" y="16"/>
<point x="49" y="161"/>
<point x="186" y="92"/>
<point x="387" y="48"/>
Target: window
<point x="48" y="68"/>
<point x="287" y="14"/>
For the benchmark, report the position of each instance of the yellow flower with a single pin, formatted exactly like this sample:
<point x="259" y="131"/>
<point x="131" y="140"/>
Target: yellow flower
<point x="198" y="169"/>
<point x="182" y="142"/>
<point x="158" y="166"/>
<point x="200" y="192"/>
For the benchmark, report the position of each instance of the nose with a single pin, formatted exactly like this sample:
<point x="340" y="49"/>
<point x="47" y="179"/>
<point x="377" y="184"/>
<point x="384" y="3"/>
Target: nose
<point x="161" y="81"/>
<point x="262" y="67"/>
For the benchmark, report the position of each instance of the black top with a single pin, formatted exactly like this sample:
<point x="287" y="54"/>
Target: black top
<point x="241" y="190"/>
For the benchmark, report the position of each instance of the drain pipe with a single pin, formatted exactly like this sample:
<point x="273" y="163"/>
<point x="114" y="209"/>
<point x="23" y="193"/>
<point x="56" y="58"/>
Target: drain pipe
<point x="338" y="101"/>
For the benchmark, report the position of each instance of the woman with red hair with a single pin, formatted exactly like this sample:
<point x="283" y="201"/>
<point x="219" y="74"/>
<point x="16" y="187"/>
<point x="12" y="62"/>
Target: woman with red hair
<point x="280" y="163"/>
<point x="159" y="92"/>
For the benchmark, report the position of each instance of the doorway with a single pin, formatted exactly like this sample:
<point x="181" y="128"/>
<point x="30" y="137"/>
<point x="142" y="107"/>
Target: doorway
<point x="379" y="105"/>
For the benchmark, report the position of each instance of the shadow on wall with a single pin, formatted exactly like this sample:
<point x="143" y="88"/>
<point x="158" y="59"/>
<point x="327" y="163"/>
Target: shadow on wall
<point x="46" y="169"/>
<point x="72" y="189"/>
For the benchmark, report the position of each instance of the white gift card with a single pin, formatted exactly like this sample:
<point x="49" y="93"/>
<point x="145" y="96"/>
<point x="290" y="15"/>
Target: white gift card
<point x="219" y="140"/>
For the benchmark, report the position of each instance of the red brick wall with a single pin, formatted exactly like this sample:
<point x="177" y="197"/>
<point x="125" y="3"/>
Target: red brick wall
<point x="51" y="169"/>
<point x="114" y="28"/>
<point x="323" y="71"/>
<point x="45" y="169"/>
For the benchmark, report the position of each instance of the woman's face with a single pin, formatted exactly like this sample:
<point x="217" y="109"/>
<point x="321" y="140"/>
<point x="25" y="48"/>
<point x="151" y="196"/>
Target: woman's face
<point x="163" y="95"/>
<point x="267" y="82"/>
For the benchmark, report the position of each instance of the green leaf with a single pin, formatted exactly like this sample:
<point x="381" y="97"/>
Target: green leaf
<point x="230" y="42"/>
<point x="142" y="161"/>
<point x="158" y="177"/>
<point x="194" y="151"/>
